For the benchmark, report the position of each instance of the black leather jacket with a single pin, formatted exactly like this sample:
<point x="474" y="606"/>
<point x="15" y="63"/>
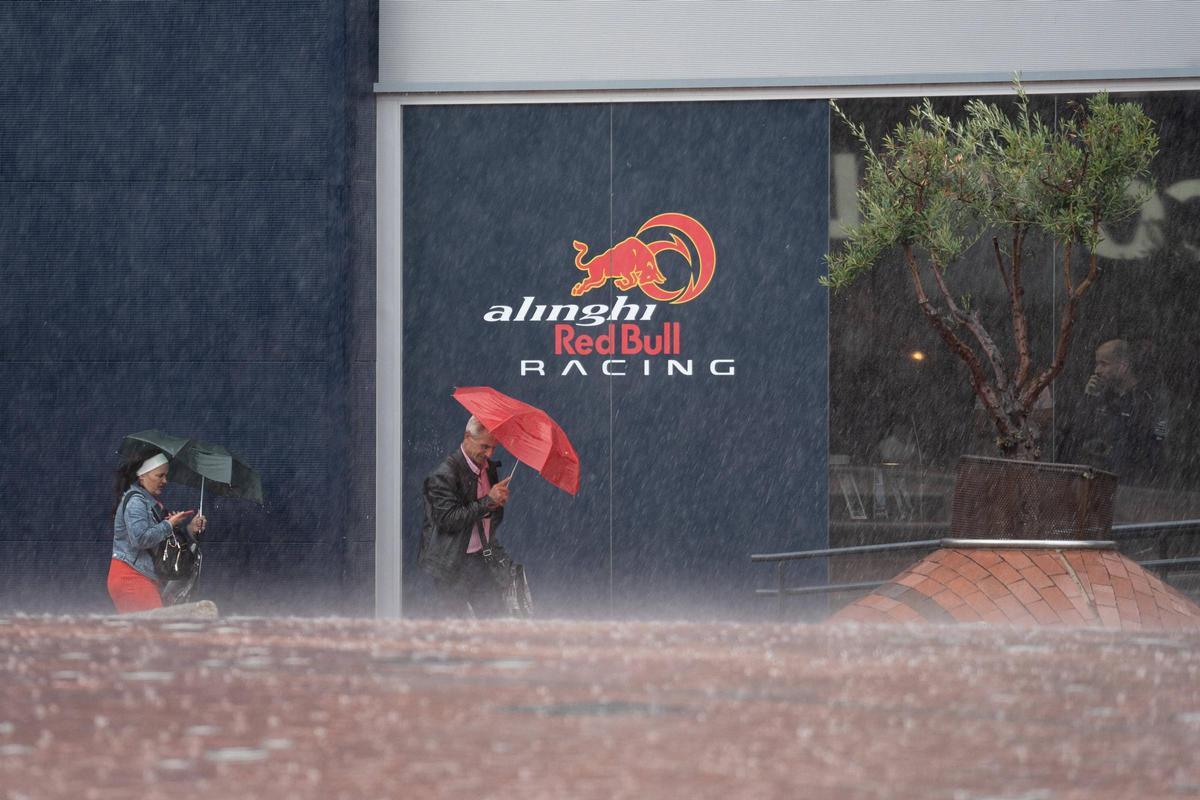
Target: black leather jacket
<point x="1125" y="434"/>
<point x="451" y="511"/>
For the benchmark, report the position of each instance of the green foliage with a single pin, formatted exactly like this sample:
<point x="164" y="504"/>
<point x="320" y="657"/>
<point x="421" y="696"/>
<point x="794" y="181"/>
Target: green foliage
<point x="936" y="184"/>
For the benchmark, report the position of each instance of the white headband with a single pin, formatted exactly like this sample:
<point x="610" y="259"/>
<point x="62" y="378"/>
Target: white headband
<point x="153" y="462"/>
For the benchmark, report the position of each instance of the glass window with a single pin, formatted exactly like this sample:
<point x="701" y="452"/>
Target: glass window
<point x="902" y="411"/>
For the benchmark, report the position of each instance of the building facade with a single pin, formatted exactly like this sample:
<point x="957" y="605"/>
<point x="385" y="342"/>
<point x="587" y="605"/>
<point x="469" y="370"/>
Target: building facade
<point x="293" y="228"/>
<point x="509" y="132"/>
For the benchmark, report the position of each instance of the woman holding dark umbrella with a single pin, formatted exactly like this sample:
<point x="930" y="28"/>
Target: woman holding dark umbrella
<point x="140" y="524"/>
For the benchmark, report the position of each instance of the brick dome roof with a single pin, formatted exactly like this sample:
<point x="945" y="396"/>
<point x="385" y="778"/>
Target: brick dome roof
<point x="1027" y="584"/>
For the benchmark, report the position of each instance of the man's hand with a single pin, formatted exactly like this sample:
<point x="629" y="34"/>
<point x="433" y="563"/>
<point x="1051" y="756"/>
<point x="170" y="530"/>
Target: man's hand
<point x="498" y="494"/>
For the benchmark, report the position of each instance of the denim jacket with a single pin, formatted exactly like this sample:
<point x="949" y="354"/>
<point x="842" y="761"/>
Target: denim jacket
<point x="138" y="528"/>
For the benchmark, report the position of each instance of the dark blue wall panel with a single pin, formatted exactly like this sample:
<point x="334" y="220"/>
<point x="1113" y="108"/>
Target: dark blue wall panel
<point x="683" y="476"/>
<point x="492" y="196"/>
<point x="714" y="469"/>
<point x="184" y="90"/>
<point x="184" y="202"/>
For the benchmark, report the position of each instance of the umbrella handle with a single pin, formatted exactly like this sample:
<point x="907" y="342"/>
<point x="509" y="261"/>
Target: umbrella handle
<point x="514" y="471"/>
<point x="202" y="495"/>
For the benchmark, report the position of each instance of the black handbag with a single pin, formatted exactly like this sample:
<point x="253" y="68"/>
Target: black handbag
<point x="510" y="578"/>
<point x="177" y="558"/>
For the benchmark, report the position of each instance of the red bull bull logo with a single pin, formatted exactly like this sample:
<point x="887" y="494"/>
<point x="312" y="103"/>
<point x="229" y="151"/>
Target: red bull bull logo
<point x="614" y="339"/>
<point x="634" y="262"/>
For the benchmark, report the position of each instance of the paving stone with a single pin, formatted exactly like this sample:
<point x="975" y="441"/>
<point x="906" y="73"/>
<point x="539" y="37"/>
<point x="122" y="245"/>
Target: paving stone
<point x="343" y="708"/>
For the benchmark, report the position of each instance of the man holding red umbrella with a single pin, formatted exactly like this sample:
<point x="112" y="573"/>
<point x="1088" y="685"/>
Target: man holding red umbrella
<point x="464" y="505"/>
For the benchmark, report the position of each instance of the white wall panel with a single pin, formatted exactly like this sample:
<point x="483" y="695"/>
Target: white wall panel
<point x="389" y="374"/>
<point x="523" y="45"/>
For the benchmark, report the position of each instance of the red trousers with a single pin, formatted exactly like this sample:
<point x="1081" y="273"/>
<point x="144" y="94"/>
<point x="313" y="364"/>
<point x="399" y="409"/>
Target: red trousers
<point x="130" y="590"/>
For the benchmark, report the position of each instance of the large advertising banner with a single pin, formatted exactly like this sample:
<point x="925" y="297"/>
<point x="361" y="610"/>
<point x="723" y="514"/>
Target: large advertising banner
<point x="647" y="274"/>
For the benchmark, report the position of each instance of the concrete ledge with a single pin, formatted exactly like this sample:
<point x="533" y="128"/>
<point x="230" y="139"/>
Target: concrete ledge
<point x="202" y="609"/>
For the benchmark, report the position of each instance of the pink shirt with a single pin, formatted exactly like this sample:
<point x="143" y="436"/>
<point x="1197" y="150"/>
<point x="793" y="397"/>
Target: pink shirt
<point x="484" y="485"/>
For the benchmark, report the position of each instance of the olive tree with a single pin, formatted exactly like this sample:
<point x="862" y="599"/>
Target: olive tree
<point x="936" y="185"/>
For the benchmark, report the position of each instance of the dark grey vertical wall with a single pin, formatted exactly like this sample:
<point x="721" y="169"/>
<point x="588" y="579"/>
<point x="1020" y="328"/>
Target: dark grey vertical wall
<point x="186" y="201"/>
<point x="362" y="59"/>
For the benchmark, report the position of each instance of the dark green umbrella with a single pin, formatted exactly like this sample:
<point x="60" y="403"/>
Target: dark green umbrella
<point x="201" y="465"/>
<point x="169" y="444"/>
<point x="230" y="476"/>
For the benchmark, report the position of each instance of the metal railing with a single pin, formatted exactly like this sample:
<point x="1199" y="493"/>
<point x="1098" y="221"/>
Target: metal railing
<point x="1165" y="531"/>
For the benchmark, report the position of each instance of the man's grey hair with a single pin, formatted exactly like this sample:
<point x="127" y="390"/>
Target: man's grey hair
<point x="475" y="428"/>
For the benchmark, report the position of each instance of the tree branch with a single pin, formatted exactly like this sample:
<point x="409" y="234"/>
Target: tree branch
<point x="903" y="174"/>
<point x="1020" y="321"/>
<point x="1061" y="189"/>
<point x="1093" y="264"/>
<point x="1030" y="394"/>
<point x="1068" y="284"/>
<point x="1000" y="264"/>
<point x="972" y="323"/>
<point x="979" y="383"/>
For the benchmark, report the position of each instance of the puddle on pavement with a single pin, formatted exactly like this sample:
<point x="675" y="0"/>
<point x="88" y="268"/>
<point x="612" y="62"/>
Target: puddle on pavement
<point x="237" y="755"/>
<point x="600" y="709"/>
<point x="255" y="662"/>
<point x="147" y="675"/>
<point x="202" y="730"/>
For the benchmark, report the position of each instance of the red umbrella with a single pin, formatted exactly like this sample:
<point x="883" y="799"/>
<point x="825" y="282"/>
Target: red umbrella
<point x="526" y="432"/>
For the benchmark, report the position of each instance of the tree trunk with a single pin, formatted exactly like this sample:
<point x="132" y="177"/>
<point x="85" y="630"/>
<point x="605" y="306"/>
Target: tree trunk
<point x="1023" y="443"/>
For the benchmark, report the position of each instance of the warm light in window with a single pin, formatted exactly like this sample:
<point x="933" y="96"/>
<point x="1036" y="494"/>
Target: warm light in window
<point x="917" y="355"/>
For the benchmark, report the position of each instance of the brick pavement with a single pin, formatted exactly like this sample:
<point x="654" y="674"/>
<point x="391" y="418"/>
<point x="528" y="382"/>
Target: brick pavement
<point x="334" y="708"/>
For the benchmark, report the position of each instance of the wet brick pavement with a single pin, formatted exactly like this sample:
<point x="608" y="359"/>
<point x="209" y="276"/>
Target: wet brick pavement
<point x="332" y="708"/>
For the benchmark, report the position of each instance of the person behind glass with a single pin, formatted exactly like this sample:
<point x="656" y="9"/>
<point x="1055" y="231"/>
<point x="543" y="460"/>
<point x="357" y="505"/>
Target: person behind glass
<point x="140" y="524"/>
<point x="1123" y="426"/>
<point x="464" y="505"/>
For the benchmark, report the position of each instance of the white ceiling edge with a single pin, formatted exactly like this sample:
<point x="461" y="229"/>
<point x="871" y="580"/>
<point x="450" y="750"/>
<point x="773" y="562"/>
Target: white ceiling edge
<point x="1073" y="87"/>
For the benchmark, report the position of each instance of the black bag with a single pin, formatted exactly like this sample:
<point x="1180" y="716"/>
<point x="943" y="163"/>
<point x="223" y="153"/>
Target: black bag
<point x="510" y="578"/>
<point x="177" y="558"/>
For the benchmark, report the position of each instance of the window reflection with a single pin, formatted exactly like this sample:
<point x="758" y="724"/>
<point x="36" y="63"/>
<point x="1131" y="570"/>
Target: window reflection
<point x="1125" y="400"/>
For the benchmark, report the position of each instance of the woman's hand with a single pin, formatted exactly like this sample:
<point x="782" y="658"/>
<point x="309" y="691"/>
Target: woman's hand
<point x="197" y="525"/>
<point x="178" y="517"/>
